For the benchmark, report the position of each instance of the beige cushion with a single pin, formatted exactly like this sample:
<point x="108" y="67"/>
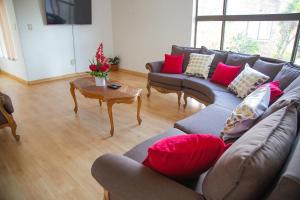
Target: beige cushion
<point x="247" y="81"/>
<point x="199" y="65"/>
<point x="246" y="113"/>
<point x="248" y="167"/>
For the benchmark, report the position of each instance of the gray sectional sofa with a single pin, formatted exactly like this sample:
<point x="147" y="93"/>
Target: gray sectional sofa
<point x="124" y="177"/>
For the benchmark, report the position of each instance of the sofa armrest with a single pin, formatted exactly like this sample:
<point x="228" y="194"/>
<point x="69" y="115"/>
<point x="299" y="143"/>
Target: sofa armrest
<point x="154" y="66"/>
<point x="6" y="102"/>
<point x="126" y="178"/>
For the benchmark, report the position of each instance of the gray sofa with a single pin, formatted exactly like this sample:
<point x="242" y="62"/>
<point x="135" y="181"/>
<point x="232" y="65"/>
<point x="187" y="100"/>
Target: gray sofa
<point x="124" y="177"/>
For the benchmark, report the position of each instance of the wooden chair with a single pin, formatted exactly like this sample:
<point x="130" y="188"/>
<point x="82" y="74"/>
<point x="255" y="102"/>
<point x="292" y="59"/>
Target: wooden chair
<point x="6" y="118"/>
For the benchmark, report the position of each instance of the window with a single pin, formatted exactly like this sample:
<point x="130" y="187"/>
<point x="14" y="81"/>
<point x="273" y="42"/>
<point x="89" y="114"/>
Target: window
<point x="212" y="7"/>
<point x="265" y="27"/>
<point x="297" y="59"/>
<point x="249" y="7"/>
<point x="6" y="43"/>
<point x="208" y="34"/>
<point x="267" y="38"/>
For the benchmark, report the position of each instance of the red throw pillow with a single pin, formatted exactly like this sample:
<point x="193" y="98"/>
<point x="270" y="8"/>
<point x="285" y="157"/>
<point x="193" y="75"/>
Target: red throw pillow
<point x="185" y="156"/>
<point x="276" y="92"/>
<point x="225" y="74"/>
<point x="173" y="64"/>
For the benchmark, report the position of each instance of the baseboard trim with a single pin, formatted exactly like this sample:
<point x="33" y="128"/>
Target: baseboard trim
<point x="56" y="78"/>
<point x="133" y="72"/>
<point x="39" y="81"/>
<point x="11" y="76"/>
<point x="62" y="77"/>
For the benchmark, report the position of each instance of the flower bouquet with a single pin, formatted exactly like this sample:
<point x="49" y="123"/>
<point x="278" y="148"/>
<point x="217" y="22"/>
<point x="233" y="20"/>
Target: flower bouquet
<point x="99" y="67"/>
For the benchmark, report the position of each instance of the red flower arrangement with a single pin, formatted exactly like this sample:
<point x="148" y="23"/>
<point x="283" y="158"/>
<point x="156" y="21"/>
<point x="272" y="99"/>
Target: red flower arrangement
<point x="99" y="66"/>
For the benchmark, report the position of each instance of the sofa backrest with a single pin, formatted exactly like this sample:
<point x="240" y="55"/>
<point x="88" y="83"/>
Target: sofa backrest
<point x="248" y="168"/>
<point x="177" y="50"/>
<point x="287" y="185"/>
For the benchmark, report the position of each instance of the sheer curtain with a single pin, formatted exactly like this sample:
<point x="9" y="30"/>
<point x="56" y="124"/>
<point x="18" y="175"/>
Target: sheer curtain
<point x="7" y="49"/>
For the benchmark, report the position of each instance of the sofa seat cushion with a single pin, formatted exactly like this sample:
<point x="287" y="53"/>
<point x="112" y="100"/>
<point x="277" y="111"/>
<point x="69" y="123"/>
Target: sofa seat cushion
<point x="248" y="168"/>
<point x="169" y="79"/>
<point x="139" y="152"/>
<point x="209" y="120"/>
<point x="227" y="100"/>
<point x="203" y="98"/>
<point x="204" y="86"/>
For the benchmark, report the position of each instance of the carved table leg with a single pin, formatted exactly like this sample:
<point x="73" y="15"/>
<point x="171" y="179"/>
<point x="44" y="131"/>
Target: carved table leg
<point x="106" y="195"/>
<point x="13" y="127"/>
<point x="139" y="109"/>
<point x="179" y="94"/>
<point x="185" y="100"/>
<point x="72" y="90"/>
<point x="110" y="114"/>
<point x="149" y="89"/>
<point x="100" y="102"/>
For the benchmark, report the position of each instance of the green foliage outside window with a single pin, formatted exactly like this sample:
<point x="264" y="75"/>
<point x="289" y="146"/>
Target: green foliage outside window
<point x="242" y="44"/>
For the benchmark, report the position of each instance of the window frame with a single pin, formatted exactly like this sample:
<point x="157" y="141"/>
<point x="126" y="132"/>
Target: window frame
<point x="255" y="17"/>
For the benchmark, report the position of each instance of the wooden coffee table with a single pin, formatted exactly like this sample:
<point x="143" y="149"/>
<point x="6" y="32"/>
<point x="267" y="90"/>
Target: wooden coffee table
<point x="125" y="94"/>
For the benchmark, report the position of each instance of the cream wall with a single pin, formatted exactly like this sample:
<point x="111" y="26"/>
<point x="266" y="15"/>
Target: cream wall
<point x="138" y="31"/>
<point x="16" y="67"/>
<point x="144" y="30"/>
<point x="48" y="49"/>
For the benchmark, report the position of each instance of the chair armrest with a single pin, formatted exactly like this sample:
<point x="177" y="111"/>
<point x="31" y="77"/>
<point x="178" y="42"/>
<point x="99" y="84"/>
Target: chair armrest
<point x="126" y="178"/>
<point x="154" y="66"/>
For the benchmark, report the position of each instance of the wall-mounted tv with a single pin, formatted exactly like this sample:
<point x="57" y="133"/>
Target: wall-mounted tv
<point x="68" y="11"/>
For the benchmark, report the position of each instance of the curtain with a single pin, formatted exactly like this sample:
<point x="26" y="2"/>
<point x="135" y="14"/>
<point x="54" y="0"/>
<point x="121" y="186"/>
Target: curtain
<point x="6" y="42"/>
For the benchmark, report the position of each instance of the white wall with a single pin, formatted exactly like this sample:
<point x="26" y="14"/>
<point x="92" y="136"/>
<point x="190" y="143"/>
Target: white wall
<point x="87" y="37"/>
<point x="138" y="31"/>
<point x="16" y="67"/>
<point x="144" y="30"/>
<point x="48" y="49"/>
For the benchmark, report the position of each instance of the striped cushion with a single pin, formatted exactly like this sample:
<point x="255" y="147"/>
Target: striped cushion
<point x="247" y="81"/>
<point x="199" y="65"/>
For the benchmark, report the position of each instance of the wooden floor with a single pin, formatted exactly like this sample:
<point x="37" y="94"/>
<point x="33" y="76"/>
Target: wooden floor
<point x="57" y="148"/>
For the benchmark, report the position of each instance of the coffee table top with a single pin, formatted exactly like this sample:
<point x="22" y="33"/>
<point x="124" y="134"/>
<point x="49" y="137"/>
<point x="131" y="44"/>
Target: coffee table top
<point x="88" y="88"/>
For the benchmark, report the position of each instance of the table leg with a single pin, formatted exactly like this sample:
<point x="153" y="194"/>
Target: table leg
<point x="139" y="109"/>
<point x="72" y="90"/>
<point x="100" y="102"/>
<point x="106" y="195"/>
<point x="110" y="114"/>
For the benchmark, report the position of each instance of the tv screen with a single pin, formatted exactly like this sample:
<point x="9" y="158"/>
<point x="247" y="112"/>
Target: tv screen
<point x="68" y="11"/>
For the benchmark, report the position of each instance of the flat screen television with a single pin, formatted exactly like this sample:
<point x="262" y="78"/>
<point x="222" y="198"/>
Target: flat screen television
<point x="68" y="11"/>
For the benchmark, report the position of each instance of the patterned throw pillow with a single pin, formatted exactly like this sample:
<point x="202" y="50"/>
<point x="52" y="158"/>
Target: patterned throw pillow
<point x="247" y="81"/>
<point x="199" y="65"/>
<point x="246" y="113"/>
